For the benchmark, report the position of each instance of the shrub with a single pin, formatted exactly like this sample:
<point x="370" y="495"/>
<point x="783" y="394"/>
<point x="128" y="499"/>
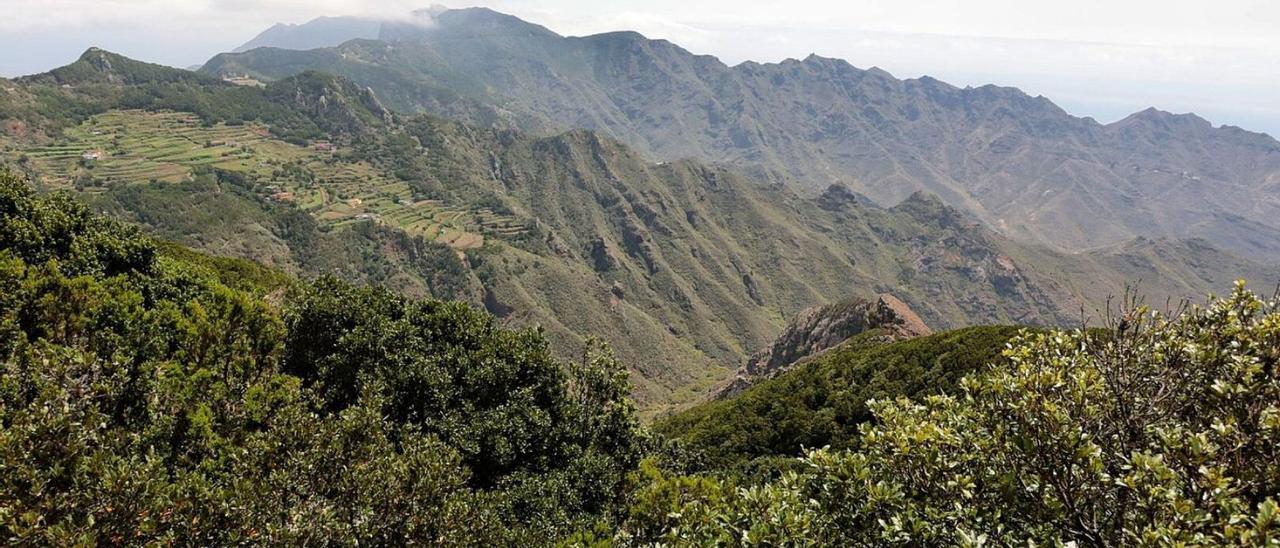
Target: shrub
<point x="1161" y="430"/>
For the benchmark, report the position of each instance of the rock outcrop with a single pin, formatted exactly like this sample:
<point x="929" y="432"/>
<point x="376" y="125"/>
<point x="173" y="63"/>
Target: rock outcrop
<point x="821" y="328"/>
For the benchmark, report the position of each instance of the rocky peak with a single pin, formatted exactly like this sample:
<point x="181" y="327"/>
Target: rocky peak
<point x="1159" y="119"/>
<point x="929" y="209"/>
<point x="818" y="329"/>
<point x="99" y="66"/>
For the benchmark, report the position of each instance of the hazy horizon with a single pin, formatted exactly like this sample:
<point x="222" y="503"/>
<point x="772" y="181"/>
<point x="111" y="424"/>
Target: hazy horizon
<point x="1104" y="63"/>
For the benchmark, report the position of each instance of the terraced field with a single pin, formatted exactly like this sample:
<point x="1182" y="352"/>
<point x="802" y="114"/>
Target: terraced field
<point x="127" y="147"/>
<point x="131" y="146"/>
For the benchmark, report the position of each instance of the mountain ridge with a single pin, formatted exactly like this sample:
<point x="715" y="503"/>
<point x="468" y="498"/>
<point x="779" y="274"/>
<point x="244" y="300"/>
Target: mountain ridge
<point x="99" y="66"/>
<point x="684" y="267"/>
<point x="809" y="58"/>
<point x="1019" y="163"/>
<point x="318" y="32"/>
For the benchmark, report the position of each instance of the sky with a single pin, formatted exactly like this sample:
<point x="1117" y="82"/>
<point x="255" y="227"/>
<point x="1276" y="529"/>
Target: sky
<point x="1104" y="59"/>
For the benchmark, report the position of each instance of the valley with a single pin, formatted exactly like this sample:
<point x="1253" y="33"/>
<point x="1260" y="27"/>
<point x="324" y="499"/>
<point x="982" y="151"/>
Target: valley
<point x="451" y="278"/>
<point x="685" y="268"/>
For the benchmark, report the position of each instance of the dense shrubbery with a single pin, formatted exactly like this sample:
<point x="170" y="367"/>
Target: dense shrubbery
<point x="151" y="395"/>
<point x="1158" y="431"/>
<point x="823" y="402"/>
<point x="512" y="411"/>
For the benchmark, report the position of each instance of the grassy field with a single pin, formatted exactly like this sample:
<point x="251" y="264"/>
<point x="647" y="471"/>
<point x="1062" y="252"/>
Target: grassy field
<point x="130" y="146"/>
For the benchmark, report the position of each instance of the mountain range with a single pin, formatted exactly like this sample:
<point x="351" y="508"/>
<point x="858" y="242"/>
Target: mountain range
<point x="454" y="279"/>
<point x="1019" y="164"/>
<point x="685" y="267"/>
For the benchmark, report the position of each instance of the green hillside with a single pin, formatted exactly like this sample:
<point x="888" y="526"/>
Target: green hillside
<point x="1019" y="163"/>
<point x="824" y="401"/>
<point x="98" y="66"/>
<point x="120" y="147"/>
<point x="453" y="279"/>
<point x="1155" y="430"/>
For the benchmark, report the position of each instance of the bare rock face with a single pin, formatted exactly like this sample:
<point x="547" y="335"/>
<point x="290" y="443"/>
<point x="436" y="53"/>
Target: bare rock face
<point x="821" y="328"/>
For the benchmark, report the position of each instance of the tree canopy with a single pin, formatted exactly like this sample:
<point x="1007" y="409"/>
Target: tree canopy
<point x="153" y="395"/>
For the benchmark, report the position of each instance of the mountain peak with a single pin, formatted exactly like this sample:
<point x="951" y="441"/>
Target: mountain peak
<point x="814" y="59"/>
<point x="99" y="66"/>
<point x="619" y="35"/>
<point x="486" y="21"/>
<point x="344" y="105"/>
<point x="316" y="33"/>
<point x="1152" y="116"/>
<point x="921" y="198"/>
<point x="432" y="11"/>
<point x="100" y="57"/>
<point x="928" y="208"/>
<point x="469" y="23"/>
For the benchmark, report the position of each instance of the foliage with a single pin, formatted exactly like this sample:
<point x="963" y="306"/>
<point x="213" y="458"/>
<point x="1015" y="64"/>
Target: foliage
<point x="302" y="107"/>
<point x="685" y="268"/>
<point x="144" y="398"/>
<point x="823" y="402"/>
<point x="497" y="395"/>
<point x="1162" y="430"/>
<point x="58" y="228"/>
<point x="152" y="395"/>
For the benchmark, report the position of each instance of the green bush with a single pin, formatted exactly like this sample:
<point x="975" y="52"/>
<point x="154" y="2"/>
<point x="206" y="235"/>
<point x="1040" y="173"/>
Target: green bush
<point x="147" y="395"/>
<point x="1160" y="431"/>
<point x="497" y="395"/>
<point x="823" y="402"/>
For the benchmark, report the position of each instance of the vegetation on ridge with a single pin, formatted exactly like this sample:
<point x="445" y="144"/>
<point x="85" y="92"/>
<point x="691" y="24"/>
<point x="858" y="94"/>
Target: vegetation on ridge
<point x="1022" y="165"/>
<point x="823" y="402"/>
<point x="682" y="267"/>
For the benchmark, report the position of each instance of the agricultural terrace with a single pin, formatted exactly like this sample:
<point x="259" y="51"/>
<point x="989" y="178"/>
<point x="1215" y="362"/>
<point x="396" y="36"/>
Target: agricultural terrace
<point x="130" y="146"/>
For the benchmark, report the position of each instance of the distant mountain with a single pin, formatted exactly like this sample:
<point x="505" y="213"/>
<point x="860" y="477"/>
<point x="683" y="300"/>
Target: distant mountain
<point x="317" y="33"/>
<point x="1018" y="163"/>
